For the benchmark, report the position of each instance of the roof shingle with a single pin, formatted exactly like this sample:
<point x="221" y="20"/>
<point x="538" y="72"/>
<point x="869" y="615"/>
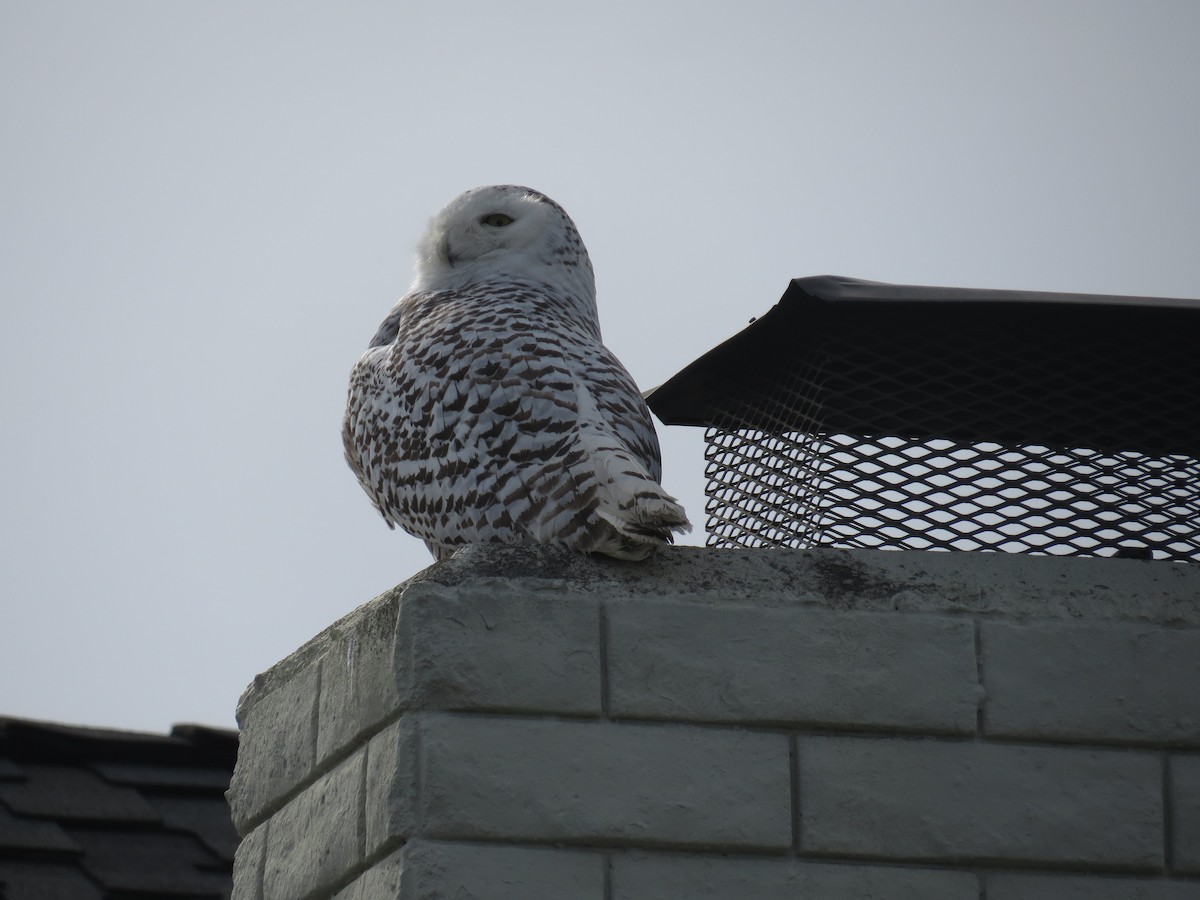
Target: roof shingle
<point x="90" y="814"/>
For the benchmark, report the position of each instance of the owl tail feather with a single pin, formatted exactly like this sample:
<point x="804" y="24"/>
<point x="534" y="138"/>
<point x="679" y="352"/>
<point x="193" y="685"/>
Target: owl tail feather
<point x="638" y="514"/>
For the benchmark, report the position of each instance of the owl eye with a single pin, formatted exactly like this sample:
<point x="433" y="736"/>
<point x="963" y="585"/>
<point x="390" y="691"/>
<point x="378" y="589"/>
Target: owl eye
<point x="497" y="220"/>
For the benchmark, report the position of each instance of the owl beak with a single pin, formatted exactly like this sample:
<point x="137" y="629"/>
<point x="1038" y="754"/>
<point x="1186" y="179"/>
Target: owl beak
<point x="447" y="253"/>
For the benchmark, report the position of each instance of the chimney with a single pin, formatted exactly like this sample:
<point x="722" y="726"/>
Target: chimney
<point x="530" y="723"/>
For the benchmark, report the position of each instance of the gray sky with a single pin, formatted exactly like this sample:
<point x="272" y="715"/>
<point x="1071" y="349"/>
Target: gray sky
<point x="207" y="208"/>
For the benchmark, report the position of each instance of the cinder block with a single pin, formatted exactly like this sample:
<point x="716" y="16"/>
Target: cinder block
<point x="248" y="864"/>
<point x="1184" y="802"/>
<point x="317" y="839"/>
<point x="976" y="802"/>
<point x="1095" y="682"/>
<point x="742" y="663"/>
<point x="382" y="881"/>
<point x="1015" y="886"/>
<point x="486" y="644"/>
<point x="637" y="875"/>
<point x="435" y="870"/>
<point x="276" y="748"/>
<point x="572" y="781"/>
<point x="358" y="677"/>
<point x="392" y="807"/>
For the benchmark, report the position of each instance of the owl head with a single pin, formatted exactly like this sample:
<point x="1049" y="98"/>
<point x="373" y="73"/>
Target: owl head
<point x="502" y="232"/>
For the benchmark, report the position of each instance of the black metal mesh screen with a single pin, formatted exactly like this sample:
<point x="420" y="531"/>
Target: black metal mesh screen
<point x="930" y="432"/>
<point x="800" y="490"/>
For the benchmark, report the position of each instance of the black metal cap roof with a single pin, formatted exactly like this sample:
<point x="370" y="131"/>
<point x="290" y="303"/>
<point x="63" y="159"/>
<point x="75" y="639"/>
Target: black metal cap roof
<point x="965" y="364"/>
<point x="89" y="813"/>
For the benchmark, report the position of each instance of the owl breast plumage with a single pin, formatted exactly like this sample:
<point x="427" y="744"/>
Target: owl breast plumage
<point x="488" y="410"/>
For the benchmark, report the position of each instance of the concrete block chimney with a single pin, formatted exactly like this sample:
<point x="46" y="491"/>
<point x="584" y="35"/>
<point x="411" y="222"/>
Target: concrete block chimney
<point x="531" y="723"/>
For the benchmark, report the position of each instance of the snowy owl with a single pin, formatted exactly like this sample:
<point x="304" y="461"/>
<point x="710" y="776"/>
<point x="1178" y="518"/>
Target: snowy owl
<point x="486" y="408"/>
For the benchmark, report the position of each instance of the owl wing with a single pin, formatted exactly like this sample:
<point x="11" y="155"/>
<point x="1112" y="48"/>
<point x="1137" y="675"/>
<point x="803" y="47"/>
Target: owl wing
<point x="465" y="435"/>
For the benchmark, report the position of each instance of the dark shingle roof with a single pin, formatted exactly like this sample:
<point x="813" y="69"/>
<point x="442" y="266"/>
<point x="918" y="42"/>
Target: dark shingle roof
<point x="95" y="814"/>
